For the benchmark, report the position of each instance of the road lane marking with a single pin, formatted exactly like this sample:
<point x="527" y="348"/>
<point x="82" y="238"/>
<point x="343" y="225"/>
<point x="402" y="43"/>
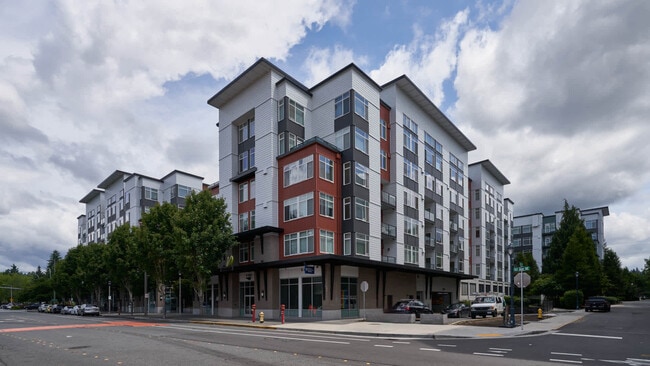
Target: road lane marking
<point x="488" y="354"/>
<point x="501" y="349"/>
<point x="396" y="342"/>
<point x="77" y="326"/>
<point x="587" y="335"/>
<point x="265" y="335"/>
<point x="384" y="345"/>
<point x="564" y="361"/>
<point x="567" y="354"/>
<point x="446" y="345"/>
<point x="430" y="349"/>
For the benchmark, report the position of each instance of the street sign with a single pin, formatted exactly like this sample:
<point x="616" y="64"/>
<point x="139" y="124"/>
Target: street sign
<point x="364" y="286"/>
<point x="522" y="280"/>
<point x="520" y="269"/>
<point x="309" y="269"/>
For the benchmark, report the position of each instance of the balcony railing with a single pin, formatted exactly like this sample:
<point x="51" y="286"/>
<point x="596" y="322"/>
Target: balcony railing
<point x="453" y="226"/>
<point x="389" y="230"/>
<point x="388" y="259"/>
<point x="429" y="216"/>
<point x="388" y="200"/>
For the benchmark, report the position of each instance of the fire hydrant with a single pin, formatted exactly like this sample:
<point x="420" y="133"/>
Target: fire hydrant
<point x="539" y="313"/>
<point x="261" y="317"/>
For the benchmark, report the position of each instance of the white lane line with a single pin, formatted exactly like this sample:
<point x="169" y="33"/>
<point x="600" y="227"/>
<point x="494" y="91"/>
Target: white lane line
<point x="587" y="335"/>
<point x="501" y="349"/>
<point x="564" y="361"/>
<point x="396" y="342"/>
<point x="430" y="349"/>
<point x="446" y="345"/>
<point x="384" y="345"/>
<point x="262" y="335"/>
<point x="567" y="354"/>
<point x="488" y="354"/>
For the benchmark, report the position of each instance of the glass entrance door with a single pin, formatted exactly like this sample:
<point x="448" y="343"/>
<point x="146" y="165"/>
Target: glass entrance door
<point x="246" y="298"/>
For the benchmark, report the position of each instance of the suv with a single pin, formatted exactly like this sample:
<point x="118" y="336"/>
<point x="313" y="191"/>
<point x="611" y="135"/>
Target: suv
<point x="487" y="305"/>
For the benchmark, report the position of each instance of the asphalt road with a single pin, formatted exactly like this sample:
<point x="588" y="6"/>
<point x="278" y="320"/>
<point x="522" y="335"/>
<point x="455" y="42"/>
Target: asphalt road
<point x="29" y="338"/>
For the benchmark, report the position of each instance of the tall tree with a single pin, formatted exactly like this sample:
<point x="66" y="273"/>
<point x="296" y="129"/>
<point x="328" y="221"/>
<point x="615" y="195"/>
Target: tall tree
<point x="121" y="258"/>
<point x="204" y="235"/>
<point x="612" y="274"/>
<point x="527" y="260"/>
<point x="580" y="257"/>
<point x="570" y="221"/>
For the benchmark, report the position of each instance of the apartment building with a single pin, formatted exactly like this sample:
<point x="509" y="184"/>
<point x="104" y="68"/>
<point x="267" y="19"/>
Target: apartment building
<point x="533" y="233"/>
<point x="490" y="225"/>
<point x="123" y="197"/>
<point x="339" y="193"/>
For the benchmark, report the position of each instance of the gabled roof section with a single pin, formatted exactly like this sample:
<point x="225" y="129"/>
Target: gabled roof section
<point x="487" y="164"/>
<point x="410" y="89"/>
<point x="116" y="175"/>
<point x="91" y="195"/>
<point x="260" y="68"/>
<point x="344" y="70"/>
<point x="176" y="171"/>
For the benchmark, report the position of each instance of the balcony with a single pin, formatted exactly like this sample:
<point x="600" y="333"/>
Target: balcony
<point x="453" y="226"/>
<point x="389" y="231"/>
<point x="388" y="259"/>
<point x="429" y="217"/>
<point x="428" y="241"/>
<point x="388" y="200"/>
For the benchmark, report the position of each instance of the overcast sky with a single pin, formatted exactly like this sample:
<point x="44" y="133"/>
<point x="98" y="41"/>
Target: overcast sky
<point x="555" y="93"/>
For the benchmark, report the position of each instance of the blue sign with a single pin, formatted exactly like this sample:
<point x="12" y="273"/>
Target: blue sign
<point x="309" y="269"/>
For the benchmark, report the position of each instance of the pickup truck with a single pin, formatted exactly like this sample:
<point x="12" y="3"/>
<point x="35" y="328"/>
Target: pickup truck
<point x="597" y="303"/>
<point x="487" y="305"/>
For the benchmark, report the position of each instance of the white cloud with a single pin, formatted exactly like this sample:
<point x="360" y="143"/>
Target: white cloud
<point x="321" y="63"/>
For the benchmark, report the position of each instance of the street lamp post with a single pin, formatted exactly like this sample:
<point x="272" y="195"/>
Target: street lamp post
<point x="577" y="303"/>
<point x="511" y="322"/>
<point x="109" y="297"/>
<point x="180" y="311"/>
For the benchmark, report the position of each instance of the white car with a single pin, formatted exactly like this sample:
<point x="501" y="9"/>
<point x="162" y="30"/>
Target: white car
<point x="89" y="309"/>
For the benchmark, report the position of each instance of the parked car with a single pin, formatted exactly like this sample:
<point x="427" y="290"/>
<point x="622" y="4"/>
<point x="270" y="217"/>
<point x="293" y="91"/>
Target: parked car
<point x="89" y="309"/>
<point x="74" y="310"/>
<point x="457" y="310"/>
<point x="32" y="306"/>
<point x="487" y="305"/>
<point x="56" y="309"/>
<point x="597" y="303"/>
<point x="42" y="308"/>
<point x="66" y="310"/>
<point x="410" y="306"/>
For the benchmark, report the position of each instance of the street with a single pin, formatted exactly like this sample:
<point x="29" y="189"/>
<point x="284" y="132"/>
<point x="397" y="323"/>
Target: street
<point x="31" y="338"/>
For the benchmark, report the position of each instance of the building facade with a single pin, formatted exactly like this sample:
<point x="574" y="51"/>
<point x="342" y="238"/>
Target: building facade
<point x="341" y="192"/>
<point x="533" y="233"/>
<point x="123" y="197"/>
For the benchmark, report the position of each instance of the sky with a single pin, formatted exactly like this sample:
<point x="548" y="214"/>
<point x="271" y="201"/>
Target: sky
<point x="555" y="93"/>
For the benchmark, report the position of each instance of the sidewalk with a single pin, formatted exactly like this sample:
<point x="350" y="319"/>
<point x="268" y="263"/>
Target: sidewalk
<point x="555" y="321"/>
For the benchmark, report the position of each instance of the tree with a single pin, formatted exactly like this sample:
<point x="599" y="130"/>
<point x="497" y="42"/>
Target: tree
<point x="570" y="221"/>
<point x="580" y="257"/>
<point x="527" y="260"/>
<point x="203" y="236"/>
<point x="121" y="258"/>
<point x="612" y="280"/>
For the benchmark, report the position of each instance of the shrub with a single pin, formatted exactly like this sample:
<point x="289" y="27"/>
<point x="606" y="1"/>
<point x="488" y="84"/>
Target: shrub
<point x="568" y="300"/>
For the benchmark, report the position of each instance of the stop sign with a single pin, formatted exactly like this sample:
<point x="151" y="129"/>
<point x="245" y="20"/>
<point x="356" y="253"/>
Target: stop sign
<point x="522" y="279"/>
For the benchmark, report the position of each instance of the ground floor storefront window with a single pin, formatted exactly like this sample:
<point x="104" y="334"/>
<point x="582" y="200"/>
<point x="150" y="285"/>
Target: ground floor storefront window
<point x="349" y="304"/>
<point x="302" y="297"/>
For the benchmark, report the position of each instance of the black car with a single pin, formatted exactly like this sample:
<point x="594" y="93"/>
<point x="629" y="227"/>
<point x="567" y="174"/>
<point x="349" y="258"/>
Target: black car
<point x="597" y="303"/>
<point x="32" y="306"/>
<point x="457" y="310"/>
<point x="410" y="306"/>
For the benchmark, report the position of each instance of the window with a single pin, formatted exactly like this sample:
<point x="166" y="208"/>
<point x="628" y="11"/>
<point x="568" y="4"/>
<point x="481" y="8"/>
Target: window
<point x="326" y="168"/>
<point x="149" y="194"/>
<point x="342" y="105"/>
<point x="360" y="105"/>
<point x="347" y="208"/>
<point x="347" y="244"/>
<point x="361" y="244"/>
<point x="281" y="147"/>
<point x="439" y="236"/>
<point x="252" y="220"/>
<point x="477" y="251"/>
<point x="296" y="112"/>
<point x="347" y="172"/>
<point x="326" y="241"/>
<point x="411" y="254"/>
<point x="246" y="130"/>
<point x="342" y="138"/>
<point x="281" y="109"/>
<point x="410" y="134"/>
<point x="361" y="175"/>
<point x="183" y="191"/>
<point x="410" y="198"/>
<point x="384" y="160"/>
<point x="429" y="181"/>
<point x="591" y="224"/>
<point x="411" y="226"/>
<point x="361" y="210"/>
<point x="383" y="129"/>
<point x="246" y="161"/>
<point x="361" y="140"/>
<point x="300" y="206"/>
<point x="246" y="252"/>
<point x="477" y="269"/>
<point x="411" y="170"/>
<point x="294" y="140"/>
<point x="243" y="133"/>
<point x="299" y="171"/>
<point x="252" y="189"/>
<point x="326" y="205"/>
<point x="243" y="192"/>
<point x="299" y="243"/>
<point x="455" y="169"/>
<point x="243" y="222"/>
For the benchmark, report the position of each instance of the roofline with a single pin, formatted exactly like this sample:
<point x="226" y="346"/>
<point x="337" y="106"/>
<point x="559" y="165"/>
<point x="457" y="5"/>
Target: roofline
<point x="112" y="178"/>
<point x="351" y="66"/>
<point x="181" y="172"/>
<point x="492" y="169"/>
<point x="432" y="110"/>
<point x="88" y="197"/>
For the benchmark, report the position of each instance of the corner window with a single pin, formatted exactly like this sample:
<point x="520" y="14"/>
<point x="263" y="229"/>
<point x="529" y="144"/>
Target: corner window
<point x="299" y="243"/>
<point x="326" y="205"/>
<point x="342" y="105"/>
<point x="361" y="175"/>
<point x="326" y="241"/>
<point x="326" y="168"/>
<point x="342" y="138"/>
<point x="361" y="244"/>
<point x="298" y="207"/>
<point x="299" y="171"/>
<point x="296" y="112"/>
<point x="361" y="209"/>
<point x="360" y="105"/>
<point x="361" y="140"/>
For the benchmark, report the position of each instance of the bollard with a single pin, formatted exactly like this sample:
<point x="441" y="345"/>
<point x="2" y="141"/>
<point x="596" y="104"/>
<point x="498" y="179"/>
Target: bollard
<point x="261" y="317"/>
<point x="282" y="313"/>
<point x="253" y="311"/>
<point x="539" y="313"/>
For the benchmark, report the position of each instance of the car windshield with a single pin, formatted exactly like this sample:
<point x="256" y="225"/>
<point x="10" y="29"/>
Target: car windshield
<point x="485" y="299"/>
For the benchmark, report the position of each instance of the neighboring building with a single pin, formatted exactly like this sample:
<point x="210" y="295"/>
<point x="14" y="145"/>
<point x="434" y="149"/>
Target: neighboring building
<point x="490" y="225"/>
<point x="123" y="197"/>
<point x="533" y="233"/>
<point x="337" y="187"/>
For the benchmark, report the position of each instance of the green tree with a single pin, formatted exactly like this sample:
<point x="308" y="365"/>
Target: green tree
<point x="527" y="260"/>
<point x="580" y="257"/>
<point x="121" y="258"/>
<point x="203" y="236"/>
<point x="570" y="221"/>
<point x="612" y="281"/>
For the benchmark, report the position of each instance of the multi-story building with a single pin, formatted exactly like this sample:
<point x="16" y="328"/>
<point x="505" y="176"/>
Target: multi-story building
<point x="490" y="225"/>
<point x="343" y="191"/>
<point x="123" y="197"/>
<point x="533" y="233"/>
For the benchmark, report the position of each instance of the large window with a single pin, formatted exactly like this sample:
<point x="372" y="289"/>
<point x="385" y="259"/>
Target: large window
<point x="455" y="169"/>
<point x="342" y="105"/>
<point x="361" y="244"/>
<point x="281" y="109"/>
<point x="326" y="241"/>
<point x="361" y="211"/>
<point x="294" y="140"/>
<point x="347" y="172"/>
<point x="342" y="138"/>
<point x="298" y="207"/>
<point x="410" y="134"/>
<point x="243" y="192"/>
<point x="411" y="254"/>
<point x="326" y="168"/>
<point x="299" y="171"/>
<point x="296" y="112"/>
<point x="360" y="105"/>
<point x="326" y="204"/>
<point x="383" y="129"/>
<point x="432" y="151"/>
<point x="247" y="160"/>
<point x="149" y="194"/>
<point x="246" y="130"/>
<point x="299" y="243"/>
<point x="410" y="198"/>
<point x="411" y="170"/>
<point x="347" y="243"/>
<point x="411" y="226"/>
<point x="361" y="140"/>
<point x="243" y="222"/>
<point x="361" y="175"/>
<point x="246" y="252"/>
<point x="347" y="208"/>
<point x="383" y="160"/>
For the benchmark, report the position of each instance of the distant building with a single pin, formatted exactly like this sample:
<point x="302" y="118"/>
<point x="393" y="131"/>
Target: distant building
<point x="533" y="233"/>
<point x="123" y="197"/>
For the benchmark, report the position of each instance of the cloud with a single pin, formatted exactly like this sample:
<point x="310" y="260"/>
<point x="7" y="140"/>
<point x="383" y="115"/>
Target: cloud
<point x="322" y="63"/>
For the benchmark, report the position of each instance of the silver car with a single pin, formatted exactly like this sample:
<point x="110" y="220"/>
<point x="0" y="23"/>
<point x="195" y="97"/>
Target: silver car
<point x="88" y="309"/>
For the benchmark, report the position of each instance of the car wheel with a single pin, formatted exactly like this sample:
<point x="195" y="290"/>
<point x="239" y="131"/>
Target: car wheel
<point x="494" y="315"/>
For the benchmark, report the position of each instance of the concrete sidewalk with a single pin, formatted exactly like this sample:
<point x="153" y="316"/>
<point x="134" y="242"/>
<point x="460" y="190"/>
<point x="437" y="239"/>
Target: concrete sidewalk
<point x="555" y="321"/>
